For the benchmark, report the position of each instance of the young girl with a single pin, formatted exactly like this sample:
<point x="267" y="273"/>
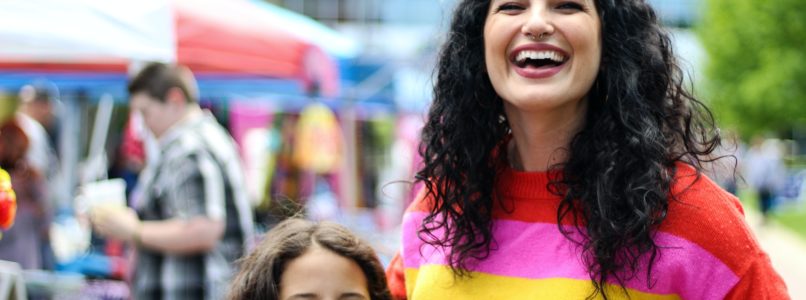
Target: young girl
<point x="301" y="259"/>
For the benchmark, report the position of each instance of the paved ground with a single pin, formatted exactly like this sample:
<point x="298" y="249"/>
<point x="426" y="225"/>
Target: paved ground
<point x="787" y="252"/>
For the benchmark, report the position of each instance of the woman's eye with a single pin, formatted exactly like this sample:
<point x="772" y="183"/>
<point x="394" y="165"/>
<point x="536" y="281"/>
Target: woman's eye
<point x="570" y="6"/>
<point x="509" y="7"/>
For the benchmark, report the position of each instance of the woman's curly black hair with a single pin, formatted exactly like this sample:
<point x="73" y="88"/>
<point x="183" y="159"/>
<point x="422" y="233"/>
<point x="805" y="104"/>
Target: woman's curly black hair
<point x="616" y="183"/>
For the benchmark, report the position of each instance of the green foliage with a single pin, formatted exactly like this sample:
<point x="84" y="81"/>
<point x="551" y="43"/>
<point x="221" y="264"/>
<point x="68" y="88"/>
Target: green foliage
<point x="756" y="69"/>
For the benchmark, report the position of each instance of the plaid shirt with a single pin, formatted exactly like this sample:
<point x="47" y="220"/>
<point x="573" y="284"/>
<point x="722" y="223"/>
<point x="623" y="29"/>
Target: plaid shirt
<point x="197" y="173"/>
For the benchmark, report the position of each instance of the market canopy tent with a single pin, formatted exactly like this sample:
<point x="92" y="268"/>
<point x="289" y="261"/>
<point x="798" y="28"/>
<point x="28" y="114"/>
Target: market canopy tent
<point x="221" y="37"/>
<point x="238" y="40"/>
<point x="85" y="48"/>
<point x="84" y="34"/>
<point x="81" y="44"/>
<point x="310" y="30"/>
<point x="225" y="42"/>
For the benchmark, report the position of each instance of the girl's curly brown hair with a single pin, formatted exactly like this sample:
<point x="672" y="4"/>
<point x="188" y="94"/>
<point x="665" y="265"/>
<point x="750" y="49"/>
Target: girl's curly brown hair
<point x="260" y="271"/>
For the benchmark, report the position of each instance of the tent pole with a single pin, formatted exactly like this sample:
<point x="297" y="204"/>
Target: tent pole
<point x="69" y="136"/>
<point x="349" y="184"/>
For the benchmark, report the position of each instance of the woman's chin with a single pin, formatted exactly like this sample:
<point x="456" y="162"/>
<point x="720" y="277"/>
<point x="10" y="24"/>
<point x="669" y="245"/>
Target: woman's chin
<point x="536" y="101"/>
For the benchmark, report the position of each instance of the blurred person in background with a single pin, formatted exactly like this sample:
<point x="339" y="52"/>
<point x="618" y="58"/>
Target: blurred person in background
<point x="191" y="219"/>
<point x="763" y="169"/>
<point x="23" y="243"/>
<point x="38" y="102"/>
<point x="36" y="116"/>
<point x="562" y="160"/>
<point x="723" y="165"/>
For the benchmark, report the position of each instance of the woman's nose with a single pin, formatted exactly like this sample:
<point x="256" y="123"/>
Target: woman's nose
<point x="538" y="22"/>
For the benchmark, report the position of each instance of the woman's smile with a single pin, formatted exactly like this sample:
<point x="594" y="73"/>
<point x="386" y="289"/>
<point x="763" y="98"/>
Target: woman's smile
<point x="538" y="60"/>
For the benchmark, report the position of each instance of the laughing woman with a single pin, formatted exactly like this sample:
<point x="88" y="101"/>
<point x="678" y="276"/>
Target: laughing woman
<point x="562" y="161"/>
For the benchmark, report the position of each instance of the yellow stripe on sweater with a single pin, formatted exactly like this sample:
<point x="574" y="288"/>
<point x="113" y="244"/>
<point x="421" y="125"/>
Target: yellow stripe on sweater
<point x="437" y="282"/>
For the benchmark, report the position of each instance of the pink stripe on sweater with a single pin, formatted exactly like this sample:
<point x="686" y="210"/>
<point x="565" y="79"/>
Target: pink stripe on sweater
<point x="539" y="251"/>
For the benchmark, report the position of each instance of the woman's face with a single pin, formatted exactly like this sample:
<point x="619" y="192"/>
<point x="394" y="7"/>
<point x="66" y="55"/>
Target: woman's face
<point x="320" y="274"/>
<point x="542" y="54"/>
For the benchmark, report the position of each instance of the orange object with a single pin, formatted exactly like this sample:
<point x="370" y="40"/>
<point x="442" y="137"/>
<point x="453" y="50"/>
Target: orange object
<point x="8" y="201"/>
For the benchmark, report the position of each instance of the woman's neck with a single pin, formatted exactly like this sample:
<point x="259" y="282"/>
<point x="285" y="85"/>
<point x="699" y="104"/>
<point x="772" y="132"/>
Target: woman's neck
<point x="540" y="140"/>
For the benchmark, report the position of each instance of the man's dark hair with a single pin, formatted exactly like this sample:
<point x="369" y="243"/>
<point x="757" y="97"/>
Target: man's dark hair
<point x="42" y="94"/>
<point x="39" y="91"/>
<point x="156" y="79"/>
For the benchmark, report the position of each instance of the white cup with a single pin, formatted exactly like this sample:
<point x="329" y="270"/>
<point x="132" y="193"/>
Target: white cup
<point x="104" y="193"/>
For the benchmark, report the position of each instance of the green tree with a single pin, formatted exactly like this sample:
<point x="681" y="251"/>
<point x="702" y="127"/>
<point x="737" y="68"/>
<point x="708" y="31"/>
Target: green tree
<point x="756" y="66"/>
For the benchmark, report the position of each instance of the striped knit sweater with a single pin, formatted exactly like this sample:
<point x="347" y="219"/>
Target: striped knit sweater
<point x="707" y="251"/>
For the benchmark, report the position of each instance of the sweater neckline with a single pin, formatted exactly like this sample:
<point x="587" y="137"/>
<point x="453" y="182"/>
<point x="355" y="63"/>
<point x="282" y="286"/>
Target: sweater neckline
<point x="522" y="184"/>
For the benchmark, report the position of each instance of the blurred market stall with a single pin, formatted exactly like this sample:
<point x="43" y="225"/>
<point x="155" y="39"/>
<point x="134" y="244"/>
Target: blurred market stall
<point x="86" y="48"/>
<point x="83" y="51"/>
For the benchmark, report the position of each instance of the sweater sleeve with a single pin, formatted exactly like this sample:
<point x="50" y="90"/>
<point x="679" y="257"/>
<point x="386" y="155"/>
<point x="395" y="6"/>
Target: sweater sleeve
<point x="396" y="279"/>
<point x="760" y="282"/>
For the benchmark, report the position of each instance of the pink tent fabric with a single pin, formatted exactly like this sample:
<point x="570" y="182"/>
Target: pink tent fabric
<point x="235" y="37"/>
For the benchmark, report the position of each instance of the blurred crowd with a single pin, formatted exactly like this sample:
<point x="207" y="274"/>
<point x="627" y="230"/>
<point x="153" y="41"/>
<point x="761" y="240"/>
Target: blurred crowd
<point x="758" y="169"/>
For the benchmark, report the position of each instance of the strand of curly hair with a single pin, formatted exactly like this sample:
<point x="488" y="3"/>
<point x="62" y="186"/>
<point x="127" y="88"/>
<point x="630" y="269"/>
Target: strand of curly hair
<point x="616" y="183"/>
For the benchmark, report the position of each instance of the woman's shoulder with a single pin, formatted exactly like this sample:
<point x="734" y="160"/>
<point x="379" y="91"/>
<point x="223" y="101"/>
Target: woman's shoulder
<point x="709" y="218"/>
<point x="422" y="203"/>
<point x="693" y="194"/>
<point x="704" y="214"/>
